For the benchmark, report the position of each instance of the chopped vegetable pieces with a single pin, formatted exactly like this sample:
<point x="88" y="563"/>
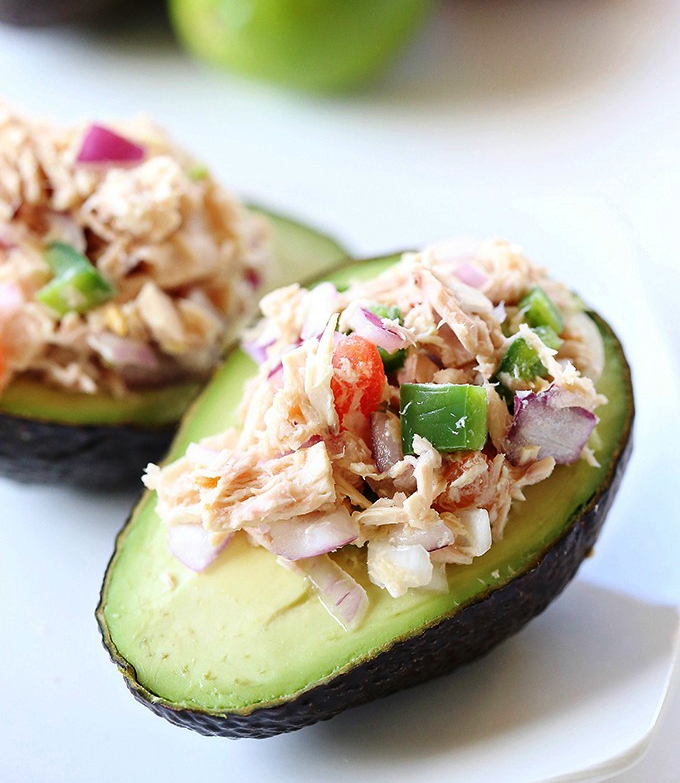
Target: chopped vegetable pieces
<point x="77" y="286"/>
<point x="452" y="417"/>
<point x="395" y="360"/>
<point x="546" y="425"/>
<point x="101" y="145"/>
<point x="539" y="310"/>
<point x="549" y="337"/>
<point x="358" y="380"/>
<point x="521" y="361"/>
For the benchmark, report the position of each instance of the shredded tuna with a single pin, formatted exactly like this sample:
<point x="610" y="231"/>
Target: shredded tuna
<point x="294" y="460"/>
<point x="179" y="251"/>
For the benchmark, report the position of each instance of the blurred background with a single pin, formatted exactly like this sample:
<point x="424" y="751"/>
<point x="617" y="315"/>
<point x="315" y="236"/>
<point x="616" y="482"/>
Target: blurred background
<point x="386" y="123"/>
<point x="517" y="94"/>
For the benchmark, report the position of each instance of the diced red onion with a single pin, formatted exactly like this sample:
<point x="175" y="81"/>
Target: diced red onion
<point x="11" y="300"/>
<point x="101" y="145"/>
<point x="322" y="302"/>
<point x="253" y="277"/>
<point x="123" y="351"/>
<point x="276" y="374"/>
<point x="193" y="547"/>
<point x="256" y="351"/>
<point x="470" y="275"/>
<point x="311" y="441"/>
<point x="345" y="599"/>
<point x="541" y="420"/>
<point x="385" y="440"/>
<point x="435" y="360"/>
<point x="313" y="534"/>
<point x="374" y="329"/>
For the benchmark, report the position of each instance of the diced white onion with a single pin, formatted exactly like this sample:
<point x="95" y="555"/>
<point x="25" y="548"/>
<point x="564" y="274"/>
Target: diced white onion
<point x="477" y="530"/>
<point x="256" y="351"/>
<point x="397" y="568"/>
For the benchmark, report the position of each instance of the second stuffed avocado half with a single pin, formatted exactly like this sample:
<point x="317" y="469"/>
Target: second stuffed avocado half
<point x="125" y="271"/>
<point x="50" y="435"/>
<point x="248" y="648"/>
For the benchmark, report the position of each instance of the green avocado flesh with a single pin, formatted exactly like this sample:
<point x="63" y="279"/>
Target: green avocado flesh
<point x="248" y="634"/>
<point x="299" y="252"/>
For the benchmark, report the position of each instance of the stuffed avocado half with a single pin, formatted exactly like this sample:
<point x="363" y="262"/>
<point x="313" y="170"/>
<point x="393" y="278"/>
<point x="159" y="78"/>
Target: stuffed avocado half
<point x="247" y="648"/>
<point x="125" y="270"/>
<point x="97" y="440"/>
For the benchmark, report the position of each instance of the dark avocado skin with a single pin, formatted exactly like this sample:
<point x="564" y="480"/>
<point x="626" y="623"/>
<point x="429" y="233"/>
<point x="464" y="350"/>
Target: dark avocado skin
<point x="88" y="456"/>
<point x="432" y="651"/>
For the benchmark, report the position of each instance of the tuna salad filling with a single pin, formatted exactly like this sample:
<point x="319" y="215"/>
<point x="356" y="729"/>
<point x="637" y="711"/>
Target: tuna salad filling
<point x="402" y="416"/>
<point x="123" y="264"/>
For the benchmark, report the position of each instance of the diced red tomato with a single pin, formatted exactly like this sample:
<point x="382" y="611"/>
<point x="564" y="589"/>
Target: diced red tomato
<point x="358" y="380"/>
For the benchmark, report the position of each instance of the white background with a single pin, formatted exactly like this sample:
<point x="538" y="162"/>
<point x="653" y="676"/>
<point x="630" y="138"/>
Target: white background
<point x="572" y="108"/>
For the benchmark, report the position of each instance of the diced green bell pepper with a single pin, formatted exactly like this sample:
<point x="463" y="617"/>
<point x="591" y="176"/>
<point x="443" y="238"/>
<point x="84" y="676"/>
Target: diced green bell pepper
<point x="549" y="337"/>
<point x="521" y="361"/>
<point x="452" y="417"/>
<point x="539" y="310"/>
<point x="77" y="286"/>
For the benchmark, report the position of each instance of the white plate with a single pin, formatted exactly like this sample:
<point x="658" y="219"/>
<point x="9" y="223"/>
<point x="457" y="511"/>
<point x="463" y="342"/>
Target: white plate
<point x="574" y="697"/>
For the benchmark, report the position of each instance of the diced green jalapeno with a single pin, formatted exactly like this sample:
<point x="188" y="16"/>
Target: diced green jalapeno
<point x="77" y="286"/>
<point x="549" y="337"/>
<point x="452" y="417"/>
<point x="391" y="361"/>
<point x="539" y="310"/>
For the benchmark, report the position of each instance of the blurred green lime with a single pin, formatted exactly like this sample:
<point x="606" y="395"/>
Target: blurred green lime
<point x="321" y="45"/>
